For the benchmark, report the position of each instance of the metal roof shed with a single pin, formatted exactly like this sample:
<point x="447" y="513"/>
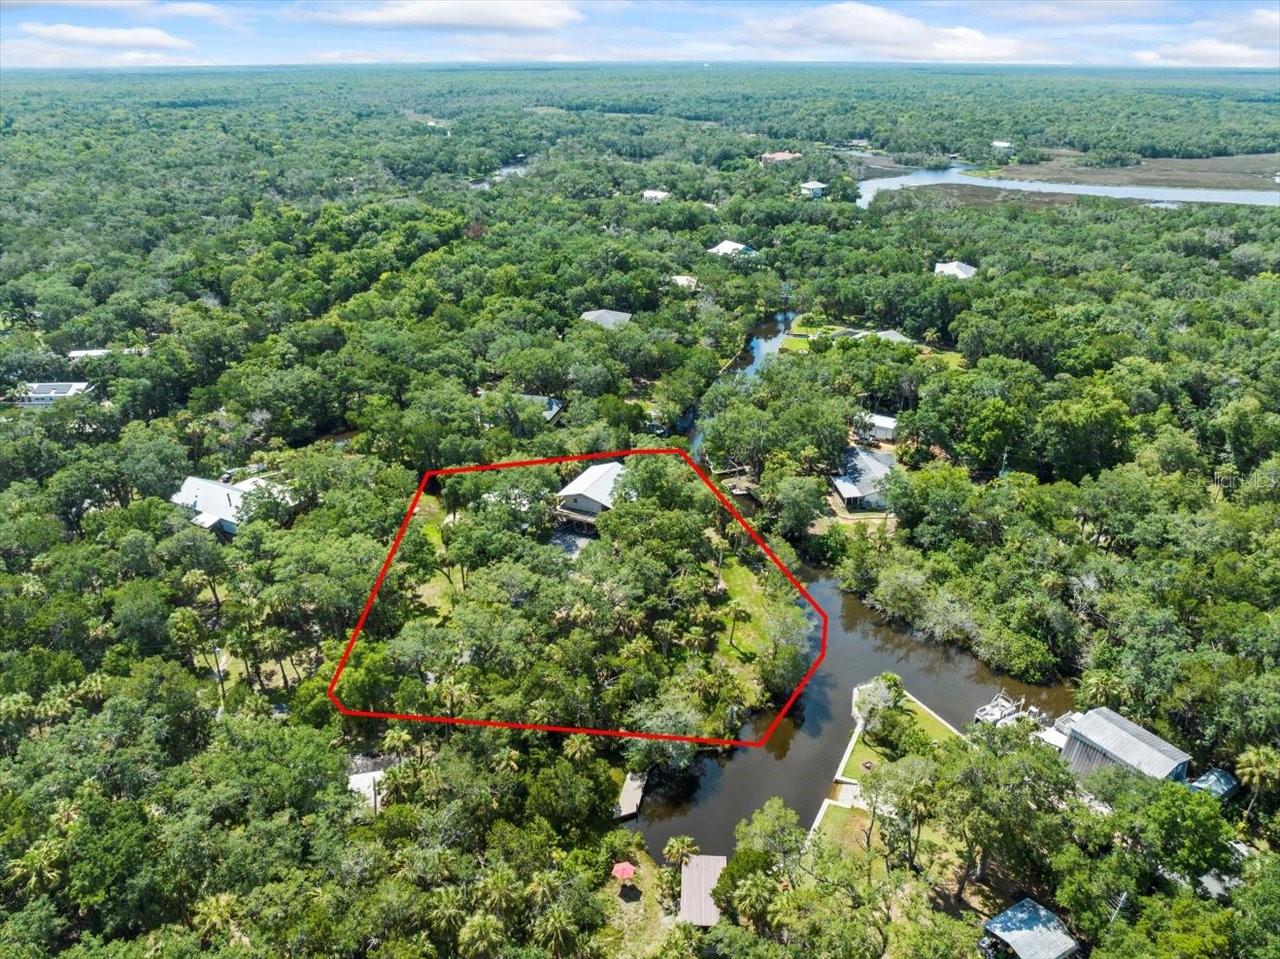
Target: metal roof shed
<point x="697" y="878"/>
<point x="1032" y="932"/>
<point x="1102" y="737"/>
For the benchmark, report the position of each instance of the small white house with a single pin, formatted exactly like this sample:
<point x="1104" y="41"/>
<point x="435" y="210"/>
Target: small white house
<point x="609" y="319"/>
<point x="591" y="492"/>
<point x="889" y="336"/>
<point x="813" y="189"/>
<point x="1004" y="145"/>
<point x="46" y="394"/>
<point x="883" y="428"/>
<point x="954" y="269"/>
<point x="215" y="506"/>
<point x="654" y="196"/>
<point x="94" y="354"/>
<point x="730" y="248"/>
<point x="684" y="281"/>
<point x="779" y="156"/>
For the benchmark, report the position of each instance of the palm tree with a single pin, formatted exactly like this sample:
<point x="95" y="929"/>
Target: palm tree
<point x="679" y="850"/>
<point x="752" y="896"/>
<point x="37" y="869"/>
<point x="737" y="614"/>
<point x="397" y="741"/>
<point x="507" y="760"/>
<point x="481" y="936"/>
<point x="1103" y="687"/>
<point x="579" y="749"/>
<point x="542" y="888"/>
<point x="500" y="889"/>
<point x="216" y="915"/>
<point x="1258" y="768"/>
<point x="555" y="930"/>
<point x="446" y="911"/>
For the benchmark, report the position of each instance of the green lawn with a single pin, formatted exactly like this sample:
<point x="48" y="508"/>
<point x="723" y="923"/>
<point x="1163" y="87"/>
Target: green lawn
<point x="749" y="639"/>
<point x="865" y="752"/>
<point x="437" y="592"/>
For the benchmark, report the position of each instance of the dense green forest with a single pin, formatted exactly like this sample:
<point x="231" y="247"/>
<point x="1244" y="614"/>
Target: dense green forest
<point x="318" y="277"/>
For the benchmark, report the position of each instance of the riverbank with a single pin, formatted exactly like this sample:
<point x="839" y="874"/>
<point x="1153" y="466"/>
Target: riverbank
<point x="1253" y="171"/>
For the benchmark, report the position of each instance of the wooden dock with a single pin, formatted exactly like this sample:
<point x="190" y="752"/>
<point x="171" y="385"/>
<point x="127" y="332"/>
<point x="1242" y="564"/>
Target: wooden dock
<point x="628" y="804"/>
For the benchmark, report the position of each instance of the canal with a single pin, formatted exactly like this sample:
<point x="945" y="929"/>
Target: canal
<point x="800" y="758"/>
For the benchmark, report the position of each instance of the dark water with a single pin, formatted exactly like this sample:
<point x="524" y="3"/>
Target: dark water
<point x="870" y="187"/>
<point x="800" y="759"/>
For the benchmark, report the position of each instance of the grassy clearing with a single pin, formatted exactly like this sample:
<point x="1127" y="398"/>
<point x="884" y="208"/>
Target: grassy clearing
<point x="865" y="752"/>
<point x="745" y="588"/>
<point x="633" y="928"/>
<point x="437" y="592"/>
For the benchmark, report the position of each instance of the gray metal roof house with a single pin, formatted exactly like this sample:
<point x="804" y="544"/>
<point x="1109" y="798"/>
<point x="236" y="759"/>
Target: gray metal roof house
<point x="609" y="319"/>
<point x="697" y="878"/>
<point x="1030" y="931"/>
<point x="1102" y="737"/>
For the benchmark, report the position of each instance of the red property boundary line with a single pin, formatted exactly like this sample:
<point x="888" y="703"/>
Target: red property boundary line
<point x="543" y="727"/>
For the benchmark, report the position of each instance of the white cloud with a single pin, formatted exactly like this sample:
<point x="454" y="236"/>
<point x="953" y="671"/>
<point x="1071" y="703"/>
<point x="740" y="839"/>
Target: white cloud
<point x="513" y="15"/>
<point x="223" y="15"/>
<point x="863" y="30"/>
<point x="1208" y="52"/>
<point x="1249" y="40"/>
<point x="150" y="38"/>
<point x="38" y="53"/>
<point x="1071" y="11"/>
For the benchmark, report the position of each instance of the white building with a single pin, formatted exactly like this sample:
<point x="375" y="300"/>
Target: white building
<point x="216" y="506"/>
<point x="779" y="156"/>
<point x="889" y="336"/>
<point x="684" y="282"/>
<point x="94" y="354"/>
<point x="609" y="319"/>
<point x="591" y="492"/>
<point x="955" y="269"/>
<point x="1001" y="145"/>
<point x="730" y="248"/>
<point x="883" y="428"/>
<point x="1102" y="737"/>
<point x="46" y="394"/>
<point x="654" y="196"/>
<point x="813" y="189"/>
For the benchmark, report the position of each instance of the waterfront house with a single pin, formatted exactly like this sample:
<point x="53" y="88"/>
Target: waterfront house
<point x="1102" y="737"/>
<point x="1027" y="930"/>
<point x="813" y="189"/>
<point x="654" y="196"/>
<point x="730" y="248"/>
<point x="697" y="878"/>
<point x="609" y="319"/>
<point x="215" y="505"/>
<point x="954" y="269"/>
<point x="590" y="493"/>
<point x="46" y="394"/>
<point x="861" y="481"/>
<point x="1003" y="145"/>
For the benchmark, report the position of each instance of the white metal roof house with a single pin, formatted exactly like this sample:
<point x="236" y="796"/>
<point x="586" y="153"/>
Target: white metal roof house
<point x="684" y="281"/>
<point x="46" y="394"/>
<point x="591" y="492"/>
<point x="1102" y="737"/>
<point x="955" y="269"/>
<point x="1001" y="145"/>
<point x="216" y="505"/>
<point x="883" y="427"/>
<point x="1030" y="931"/>
<point x="697" y="878"/>
<point x="654" y="196"/>
<point x="609" y="319"/>
<point x="813" y="189"/>
<point x="889" y="336"/>
<point x="730" y="248"/>
<point x="861" y="482"/>
<point x="74" y="355"/>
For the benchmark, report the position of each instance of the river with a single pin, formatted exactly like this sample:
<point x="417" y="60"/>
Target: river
<point x="800" y="759"/>
<point x="868" y="188"/>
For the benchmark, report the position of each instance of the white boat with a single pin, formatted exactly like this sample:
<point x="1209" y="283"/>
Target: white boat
<point x="1003" y="707"/>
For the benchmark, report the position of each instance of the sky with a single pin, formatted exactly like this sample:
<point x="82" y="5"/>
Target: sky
<point x="1127" y="33"/>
